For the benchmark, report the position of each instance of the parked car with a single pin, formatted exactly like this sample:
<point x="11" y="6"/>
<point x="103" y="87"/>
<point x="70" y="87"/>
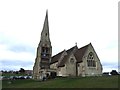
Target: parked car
<point x="11" y="77"/>
<point x="15" y="77"/>
<point x="5" y="78"/>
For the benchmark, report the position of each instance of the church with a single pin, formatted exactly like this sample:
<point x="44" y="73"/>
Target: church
<point x="75" y="61"/>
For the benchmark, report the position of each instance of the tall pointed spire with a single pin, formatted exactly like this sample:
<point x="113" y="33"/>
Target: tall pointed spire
<point x="45" y="30"/>
<point x="46" y="21"/>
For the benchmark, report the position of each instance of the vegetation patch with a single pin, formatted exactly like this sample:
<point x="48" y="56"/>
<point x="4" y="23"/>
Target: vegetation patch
<point x="77" y="82"/>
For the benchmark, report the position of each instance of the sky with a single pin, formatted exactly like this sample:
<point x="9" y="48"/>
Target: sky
<point x="70" y="21"/>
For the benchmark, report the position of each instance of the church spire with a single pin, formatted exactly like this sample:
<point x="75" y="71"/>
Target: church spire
<point x="45" y="30"/>
<point x="46" y="20"/>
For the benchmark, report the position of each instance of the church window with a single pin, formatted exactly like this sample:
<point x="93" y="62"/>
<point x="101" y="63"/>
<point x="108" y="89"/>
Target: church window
<point x="71" y="60"/>
<point x="45" y="49"/>
<point x="90" y="60"/>
<point x="94" y="64"/>
<point x="46" y="34"/>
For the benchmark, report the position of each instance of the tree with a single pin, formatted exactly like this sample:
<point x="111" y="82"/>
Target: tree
<point x="21" y="70"/>
<point x="16" y="72"/>
<point x="114" y="72"/>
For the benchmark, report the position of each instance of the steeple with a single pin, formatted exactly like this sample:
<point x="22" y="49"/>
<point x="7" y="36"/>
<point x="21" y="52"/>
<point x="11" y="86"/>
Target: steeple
<point x="44" y="52"/>
<point x="45" y="44"/>
<point x="45" y="30"/>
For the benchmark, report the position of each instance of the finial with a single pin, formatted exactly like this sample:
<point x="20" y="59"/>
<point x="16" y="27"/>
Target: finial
<point x="76" y="43"/>
<point x="47" y="11"/>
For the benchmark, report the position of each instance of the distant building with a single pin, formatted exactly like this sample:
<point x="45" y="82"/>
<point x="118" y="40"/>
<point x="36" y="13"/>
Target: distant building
<point x="29" y="72"/>
<point x="75" y="61"/>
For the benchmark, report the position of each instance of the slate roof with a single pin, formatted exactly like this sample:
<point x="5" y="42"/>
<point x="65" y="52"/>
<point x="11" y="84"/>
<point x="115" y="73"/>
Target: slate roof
<point x="56" y="57"/>
<point x="62" y="63"/>
<point x="78" y="53"/>
<point x="69" y="51"/>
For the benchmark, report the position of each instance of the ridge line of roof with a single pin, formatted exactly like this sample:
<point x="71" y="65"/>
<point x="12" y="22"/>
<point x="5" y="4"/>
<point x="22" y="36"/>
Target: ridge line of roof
<point x="84" y="46"/>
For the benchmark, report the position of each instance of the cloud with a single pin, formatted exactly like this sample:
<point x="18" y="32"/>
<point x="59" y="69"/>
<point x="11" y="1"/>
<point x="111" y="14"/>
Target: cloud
<point x="16" y="65"/>
<point x="15" y="54"/>
<point x="21" y="48"/>
<point x="22" y="53"/>
<point x="9" y="55"/>
<point x="106" y="69"/>
<point x="110" y="65"/>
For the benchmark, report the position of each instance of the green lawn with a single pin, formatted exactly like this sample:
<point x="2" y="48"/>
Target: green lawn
<point x="13" y="74"/>
<point x="78" y="82"/>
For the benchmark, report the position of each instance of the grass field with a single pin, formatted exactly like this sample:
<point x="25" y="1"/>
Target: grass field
<point x="78" y="82"/>
<point x="13" y="74"/>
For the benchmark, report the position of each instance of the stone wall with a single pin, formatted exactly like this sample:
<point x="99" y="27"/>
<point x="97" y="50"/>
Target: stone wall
<point x="71" y="66"/>
<point x="54" y="65"/>
<point x="92" y="71"/>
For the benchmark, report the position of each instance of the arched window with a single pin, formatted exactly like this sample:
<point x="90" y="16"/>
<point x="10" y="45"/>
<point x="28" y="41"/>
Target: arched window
<point x="90" y="60"/>
<point x="72" y="60"/>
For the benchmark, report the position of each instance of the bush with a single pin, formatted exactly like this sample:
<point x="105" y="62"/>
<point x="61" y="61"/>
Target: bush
<point x="106" y="73"/>
<point x="114" y="72"/>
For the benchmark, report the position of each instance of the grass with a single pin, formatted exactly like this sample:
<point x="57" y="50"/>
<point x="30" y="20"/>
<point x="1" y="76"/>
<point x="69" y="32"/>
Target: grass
<point x="13" y="74"/>
<point x="78" y="82"/>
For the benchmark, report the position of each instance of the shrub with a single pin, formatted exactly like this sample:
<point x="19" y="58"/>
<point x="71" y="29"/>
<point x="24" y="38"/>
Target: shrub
<point x="114" y="72"/>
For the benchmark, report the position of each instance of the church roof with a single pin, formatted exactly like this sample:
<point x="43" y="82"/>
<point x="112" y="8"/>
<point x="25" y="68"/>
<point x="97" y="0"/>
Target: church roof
<point x="69" y="51"/>
<point x="78" y="53"/>
<point x="56" y="57"/>
<point x="62" y="63"/>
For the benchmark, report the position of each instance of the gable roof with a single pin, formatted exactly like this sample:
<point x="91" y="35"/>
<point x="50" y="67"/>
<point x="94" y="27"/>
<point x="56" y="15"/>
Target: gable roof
<point x="80" y="53"/>
<point x="56" y="57"/>
<point x="62" y="63"/>
<point x="69" y="51"/>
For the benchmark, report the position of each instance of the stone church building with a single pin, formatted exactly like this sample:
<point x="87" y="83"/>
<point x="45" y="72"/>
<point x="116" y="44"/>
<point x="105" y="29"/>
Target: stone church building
<point x="75" y="61"/>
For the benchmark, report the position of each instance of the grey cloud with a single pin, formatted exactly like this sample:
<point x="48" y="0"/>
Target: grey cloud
<point x="6" y="39"/>
<point x="14" y="45"/>
<point x="17" y="62"/>
<point x="110" y="65"/>
<point x="9" y="64"/>
<point x="21" y="48"/>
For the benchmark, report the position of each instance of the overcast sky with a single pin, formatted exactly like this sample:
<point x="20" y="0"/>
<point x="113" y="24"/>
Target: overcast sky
<point x="70" y="21"/>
